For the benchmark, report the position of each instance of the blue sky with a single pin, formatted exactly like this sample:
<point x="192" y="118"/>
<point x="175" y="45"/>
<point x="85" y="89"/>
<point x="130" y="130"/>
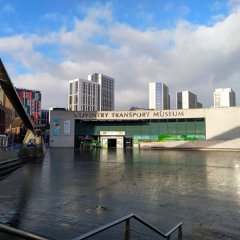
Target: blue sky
<point x="43" y="16"/>
<point x="187" y="44"/>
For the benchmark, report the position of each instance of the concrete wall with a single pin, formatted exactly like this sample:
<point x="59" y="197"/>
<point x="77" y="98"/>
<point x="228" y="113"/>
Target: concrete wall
<point x="57" y="137"/>
<point x="222" y="123"/>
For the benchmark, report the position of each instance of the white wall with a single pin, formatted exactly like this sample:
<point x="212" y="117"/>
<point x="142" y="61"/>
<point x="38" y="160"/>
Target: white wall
<point x="223" y="123"/>
<point x="61" y="140"/>
<point x="152" y="95"/>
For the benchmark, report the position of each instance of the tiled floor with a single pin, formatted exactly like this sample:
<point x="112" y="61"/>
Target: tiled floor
<point x="58" y="196"/>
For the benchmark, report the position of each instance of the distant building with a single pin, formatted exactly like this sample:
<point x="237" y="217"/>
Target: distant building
<point x="94" y="94"/>
<point x="158" y="96"/>
<point x="133" y="108"/>
<point x="31" y="100"/>
<point x="83" y="95"/>
<point x="44" y="117"/>
<point x="106" y="86"/>
<point x="224" y="97"/>
<point x="199" y="105"/>
<point x="187" y="100"/>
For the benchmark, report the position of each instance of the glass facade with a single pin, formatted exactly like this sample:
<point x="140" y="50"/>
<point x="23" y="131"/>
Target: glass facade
<point x="179" y="100"/>
<point x="147" y="130"/>
<point x="44" y="117"/>
<point x="158" y="96"/>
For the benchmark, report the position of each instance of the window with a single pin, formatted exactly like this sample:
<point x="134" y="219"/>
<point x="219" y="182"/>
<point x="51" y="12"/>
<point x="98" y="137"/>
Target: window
<point x="76" y="87"/>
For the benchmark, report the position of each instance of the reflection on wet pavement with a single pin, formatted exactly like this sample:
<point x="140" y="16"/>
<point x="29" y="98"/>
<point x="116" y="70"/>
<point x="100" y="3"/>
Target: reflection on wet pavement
<point x="71" y="192"/>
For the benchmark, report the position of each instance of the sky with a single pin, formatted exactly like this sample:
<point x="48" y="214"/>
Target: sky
<point x="187" y="44"/>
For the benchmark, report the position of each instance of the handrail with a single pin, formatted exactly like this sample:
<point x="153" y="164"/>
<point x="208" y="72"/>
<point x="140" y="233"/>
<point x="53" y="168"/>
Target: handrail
<point x="178" y="226"/>
<point x="20" y="233"/>
<point x="104" y="227"/>
<point x="31" y="236"/>
<point x="149" y="226"/>
<point x="127" y="220"/>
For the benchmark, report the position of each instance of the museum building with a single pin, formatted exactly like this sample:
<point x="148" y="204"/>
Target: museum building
<point x="122" y="129"/>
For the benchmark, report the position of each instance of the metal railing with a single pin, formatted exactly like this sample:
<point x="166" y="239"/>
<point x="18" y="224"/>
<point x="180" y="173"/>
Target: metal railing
<point x="20" y="233"/>
<point x="6" y="149"/>
<point x="127" y="236"/>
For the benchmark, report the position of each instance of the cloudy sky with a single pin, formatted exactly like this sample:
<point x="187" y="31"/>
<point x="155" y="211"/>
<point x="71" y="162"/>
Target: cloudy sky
<point x="187" y="44"/>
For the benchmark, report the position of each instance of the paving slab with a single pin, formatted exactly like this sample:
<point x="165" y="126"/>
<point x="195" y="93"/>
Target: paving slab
<point x="58" y="196"/>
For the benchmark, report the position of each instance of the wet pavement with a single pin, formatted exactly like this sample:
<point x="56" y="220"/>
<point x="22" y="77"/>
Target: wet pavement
<point x="58" y="196"/>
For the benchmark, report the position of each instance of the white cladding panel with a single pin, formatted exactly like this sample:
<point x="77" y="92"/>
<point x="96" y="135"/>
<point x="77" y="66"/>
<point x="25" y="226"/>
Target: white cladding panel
<point x="185" y="100"/>
<point x="152" y="95"/>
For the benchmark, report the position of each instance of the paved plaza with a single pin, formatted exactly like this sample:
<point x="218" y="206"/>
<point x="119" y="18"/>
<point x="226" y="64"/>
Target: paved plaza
<point x="58" y="196"/>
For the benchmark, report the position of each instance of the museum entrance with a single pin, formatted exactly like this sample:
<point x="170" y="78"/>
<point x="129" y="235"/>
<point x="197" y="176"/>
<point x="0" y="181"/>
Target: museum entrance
<point x="112" y="139"/>
<point x="112" y="143"/>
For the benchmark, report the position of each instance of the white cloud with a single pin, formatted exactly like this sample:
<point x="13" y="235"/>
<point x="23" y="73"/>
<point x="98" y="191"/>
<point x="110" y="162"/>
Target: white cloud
<point x="96" y="11"/>
<point x="217" y="18"/>
<point x="188" y="57"/>
<point x="234" y="3"/>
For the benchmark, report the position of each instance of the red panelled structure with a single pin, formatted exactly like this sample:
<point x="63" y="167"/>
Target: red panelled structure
<point x="31" y="100"/>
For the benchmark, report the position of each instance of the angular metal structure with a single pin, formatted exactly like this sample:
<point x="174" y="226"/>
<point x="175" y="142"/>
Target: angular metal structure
<point x="13" y="97"/>
<point x="27" y="149"/>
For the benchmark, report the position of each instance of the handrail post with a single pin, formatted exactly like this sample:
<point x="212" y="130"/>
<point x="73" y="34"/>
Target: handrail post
<point x="127" y="229"/>
<point x="180" y="232"/>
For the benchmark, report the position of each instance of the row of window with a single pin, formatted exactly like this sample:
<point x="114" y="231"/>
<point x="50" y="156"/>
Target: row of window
<point x="148" y="127"/>
<point x="87" y="108"/>
<point x="89" y="89"/>
<point x="75" y="88"/>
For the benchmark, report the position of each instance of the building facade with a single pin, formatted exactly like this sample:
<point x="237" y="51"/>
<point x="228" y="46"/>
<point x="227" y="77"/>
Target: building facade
<point x="83" y="95"/>
<point x="224" y="97"/>
<point x="31" y="100"/>
<point x="187" y="100"/>
<point x="106" y="92"/>
<point x="44" y="117"/>
<point x="131" y="128"/>
<point x="199" y="105"/>
<point x="159" y="98"/>
<point x="94" y="94"/>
